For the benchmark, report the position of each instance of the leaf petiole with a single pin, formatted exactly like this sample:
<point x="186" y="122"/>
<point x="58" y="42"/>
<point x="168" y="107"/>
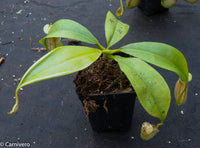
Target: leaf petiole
<point x="16" y="106"/>
<point x="159" y="124"/>
<point x="111" y="51"/>
<point x="100" y="46"/>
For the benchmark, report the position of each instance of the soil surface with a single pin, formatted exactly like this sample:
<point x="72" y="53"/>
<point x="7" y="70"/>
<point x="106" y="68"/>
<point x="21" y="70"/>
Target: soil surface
<point x="103" y="76"/>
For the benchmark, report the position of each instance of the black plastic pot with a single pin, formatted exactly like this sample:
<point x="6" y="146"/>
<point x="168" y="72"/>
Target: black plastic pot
<point x="151" y="7"/>
<point x="113" y="111"/>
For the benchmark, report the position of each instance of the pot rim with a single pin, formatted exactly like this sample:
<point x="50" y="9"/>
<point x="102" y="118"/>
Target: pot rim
<point x="109" y="94"/>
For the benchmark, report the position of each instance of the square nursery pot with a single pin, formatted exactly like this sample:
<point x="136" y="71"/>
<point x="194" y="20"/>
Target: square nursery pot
<point x="151" y="7"/>
<point x="110" y="112"/>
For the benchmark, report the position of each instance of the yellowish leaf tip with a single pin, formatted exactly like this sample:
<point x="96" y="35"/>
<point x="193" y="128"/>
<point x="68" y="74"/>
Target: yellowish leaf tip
<point x="14" y="109"/>
<point x="16" y="106"/>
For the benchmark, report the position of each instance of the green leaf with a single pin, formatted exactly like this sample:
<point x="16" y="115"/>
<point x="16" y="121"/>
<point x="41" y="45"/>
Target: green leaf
<point x="160" y="54"/>
<point x="44" y="43"/>
<point x="115" y="30"/>
<point x="66" y="28"/>
<point x="152" y="90"/>
<point x="59" y="62"/>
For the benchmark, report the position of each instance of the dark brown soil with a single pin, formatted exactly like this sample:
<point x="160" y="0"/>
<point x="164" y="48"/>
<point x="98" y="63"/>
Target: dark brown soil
<point x="102" y="77"/>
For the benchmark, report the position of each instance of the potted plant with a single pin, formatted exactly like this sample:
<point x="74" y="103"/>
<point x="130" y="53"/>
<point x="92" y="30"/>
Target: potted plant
<point x="150" y="87"/>
<point x="149" y="7"/>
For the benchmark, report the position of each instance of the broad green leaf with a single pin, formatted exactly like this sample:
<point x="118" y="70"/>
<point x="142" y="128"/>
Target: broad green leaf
<point x="160" y="54"/>
<point x="66" y="28"/>
<point x="152" y="90"/>
<point x="115" y="30"/>
<point x="60" y="61"/>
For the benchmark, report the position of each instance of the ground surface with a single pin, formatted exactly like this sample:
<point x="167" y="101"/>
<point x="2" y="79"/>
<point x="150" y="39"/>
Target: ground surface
<point x="50" y="114"/>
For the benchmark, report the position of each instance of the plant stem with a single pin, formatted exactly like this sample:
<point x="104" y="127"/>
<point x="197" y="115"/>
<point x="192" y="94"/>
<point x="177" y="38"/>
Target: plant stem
<point x="159" y="124"/>
<point x="111" y="51"/>
<point x="100" y="46"/>
<point x="122" y="8"/>
<point x="107" y="56"/>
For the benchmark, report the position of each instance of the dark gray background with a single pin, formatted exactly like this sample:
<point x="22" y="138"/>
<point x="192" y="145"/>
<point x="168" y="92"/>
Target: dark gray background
<point x="50" y="114"/>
